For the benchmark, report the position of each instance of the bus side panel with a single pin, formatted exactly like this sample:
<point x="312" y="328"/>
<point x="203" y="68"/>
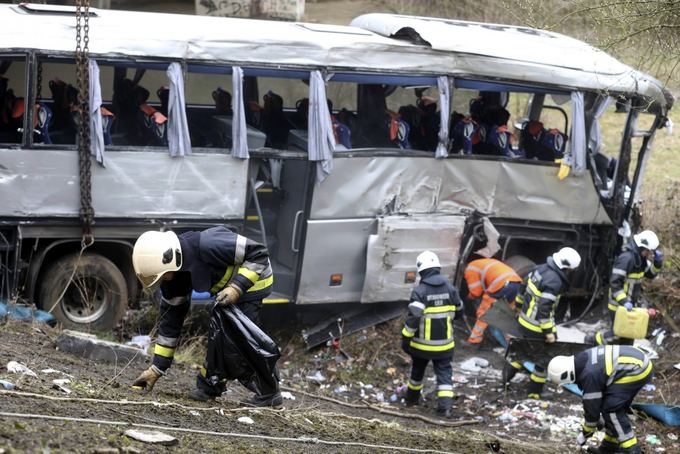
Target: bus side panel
<point x="392" y="252"/>
<point x="45" y="183"/>
<point x="334" y="247"/>
<point x="371" y="186"/>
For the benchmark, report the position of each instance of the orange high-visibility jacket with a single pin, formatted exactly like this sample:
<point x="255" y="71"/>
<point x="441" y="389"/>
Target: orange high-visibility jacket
<point x="486" y="276"/>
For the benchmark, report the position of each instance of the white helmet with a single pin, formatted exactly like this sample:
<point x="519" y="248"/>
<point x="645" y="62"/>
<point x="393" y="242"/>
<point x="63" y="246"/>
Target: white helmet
<point x="567" y="258"/>
<point x="427" y="259"/>
<point x="562" y="370"/>
<point x="647" y="240"/>
<point x="154" y="254"/>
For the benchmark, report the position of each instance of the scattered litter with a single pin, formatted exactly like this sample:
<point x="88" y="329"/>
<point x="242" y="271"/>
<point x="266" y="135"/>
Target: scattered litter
<point x="151" y="437"/>
<point x="18" y="368"/>
<point x="391" y="370"/>
<point x="194" y="413"/>
<point x="394" y="398"/>
<point x="339" y="389"/>
<point x="659" y="449"/>
<point x="25" y="313"/>
<point x="60" y="387"/>
<point x="677" y="366"/>
<point x="380" y="396"/>
<point x="652" y="439"/>
<point x="287" y="395"/>
<point x="649" y="387"/>
<point x="672" y="436"/>
<point x="61" y="381"/>
<point x="400" y="389"/>
<point x="499" y="350"/>
<point x="7" y="385"/>
<point x="317" y="377"/>
<point x="246" y="420"/>
<point x="368" y="386"/>
<point x="55" y="371"/>
<point x="460" y="379"/>
<point x="474" y="364"/>
<point x="142" y="342"/>
<point x="646" y="347"/>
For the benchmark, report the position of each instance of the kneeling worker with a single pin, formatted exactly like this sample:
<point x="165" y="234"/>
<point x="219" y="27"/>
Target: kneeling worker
<point x="428" y="332"/>
<point x="230" y="266"/>
<point x="489" y="279"/>
<point x="610" y="377"/>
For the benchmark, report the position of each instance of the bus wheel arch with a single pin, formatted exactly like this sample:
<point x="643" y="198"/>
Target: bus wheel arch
<point x="84" y="290"/>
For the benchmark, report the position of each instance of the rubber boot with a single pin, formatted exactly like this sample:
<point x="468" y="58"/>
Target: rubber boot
<point x="200" y="395"/>
<point x="444" y="405"/>
<point x="269" y="400"/>
<point x="635" y="449"/>
<point x="412" y="397"/>
<point x="606" y="447"/>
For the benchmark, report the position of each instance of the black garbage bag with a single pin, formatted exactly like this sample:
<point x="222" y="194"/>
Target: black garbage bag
<point x="239" y="350"/>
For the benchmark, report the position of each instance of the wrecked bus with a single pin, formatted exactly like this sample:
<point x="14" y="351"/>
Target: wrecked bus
<point x="347" y="150"/>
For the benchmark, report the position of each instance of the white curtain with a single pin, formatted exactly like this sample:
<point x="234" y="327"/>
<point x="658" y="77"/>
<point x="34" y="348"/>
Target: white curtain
<point x="96" y="129"/>
<point x="578" y="133"/>
<point x="595" y="136"/>
<point x="239" y="132"/>
<point x="444" y="84"/>
<point x="321" y="137"/>
<point x="178" y="126"/>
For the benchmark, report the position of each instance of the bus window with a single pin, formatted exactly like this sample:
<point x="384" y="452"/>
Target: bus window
<point x="386" y="111"/>
<point x="280" y="111"/>
<point x="12" y="102"/>
<point x="209" y="109"/>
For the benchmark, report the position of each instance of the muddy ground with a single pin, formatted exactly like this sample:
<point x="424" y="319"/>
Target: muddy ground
<point x="343" y="400"/>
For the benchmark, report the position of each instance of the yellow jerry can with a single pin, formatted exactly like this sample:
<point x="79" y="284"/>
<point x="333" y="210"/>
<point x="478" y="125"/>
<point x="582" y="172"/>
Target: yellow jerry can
<point x="631" y="324"/>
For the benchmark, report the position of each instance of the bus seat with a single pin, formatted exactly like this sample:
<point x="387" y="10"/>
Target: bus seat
<point x="465" y="134"/>
<point x="64" y="107"/>
<point x="163" y="94"/>
<point x="42" y="115"/>
<point x="541" y="143"/>
<point x="253" y="114"/>
<point x="399" y="130"/>
<point x="275" y="125"/>
<point x="222" y="100"/>
<point x="107" y="123"/>
<point x="155" y="125"/>
<point x="342" y="133"/>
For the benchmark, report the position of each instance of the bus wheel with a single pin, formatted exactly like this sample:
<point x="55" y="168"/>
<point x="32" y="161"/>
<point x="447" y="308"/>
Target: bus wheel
<point x="94" y="298"/>
<point x="521" y="264"/>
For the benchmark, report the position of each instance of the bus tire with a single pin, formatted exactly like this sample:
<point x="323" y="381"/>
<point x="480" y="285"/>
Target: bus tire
<point x="96" y="298"/>
<point x="521" y="264"/>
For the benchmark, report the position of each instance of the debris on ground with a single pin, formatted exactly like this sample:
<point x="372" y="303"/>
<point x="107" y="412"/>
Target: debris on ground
<point x="18" y="368"/>
<point x="25" y="313"/>
<point x="154" y="437"/>
<point x="245" y="420"/>
<point x="89" y="346"/>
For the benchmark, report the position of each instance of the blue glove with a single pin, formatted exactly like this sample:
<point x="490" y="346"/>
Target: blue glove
<point x="628" y="305"/>
<point x="658" y="258"/>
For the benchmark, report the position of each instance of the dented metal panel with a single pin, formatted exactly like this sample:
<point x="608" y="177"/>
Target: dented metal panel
<point x="334" y="247"/>
<point x="371" y="186"/>
<point x="393" y="250"/>
<point x="139" y="184"/>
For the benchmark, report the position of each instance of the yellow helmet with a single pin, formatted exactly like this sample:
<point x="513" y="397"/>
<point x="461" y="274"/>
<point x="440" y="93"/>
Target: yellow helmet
<point x="154" y="254"/>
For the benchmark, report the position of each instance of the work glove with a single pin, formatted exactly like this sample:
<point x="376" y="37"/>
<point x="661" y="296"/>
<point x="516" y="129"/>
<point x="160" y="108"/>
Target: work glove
<point x="550" y="338"/>
<point x="405" y="341"/>
<point x="628" y="305"/>
<point x="658" y="258"/>
<point x="147" y="379"/>
<point x="228" y="295"/>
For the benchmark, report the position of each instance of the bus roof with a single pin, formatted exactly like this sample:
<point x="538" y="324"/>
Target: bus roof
<point x="463" y="49"/>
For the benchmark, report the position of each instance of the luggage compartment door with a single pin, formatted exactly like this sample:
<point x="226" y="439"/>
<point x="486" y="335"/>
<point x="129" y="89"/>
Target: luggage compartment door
<point x="392" y="252"/>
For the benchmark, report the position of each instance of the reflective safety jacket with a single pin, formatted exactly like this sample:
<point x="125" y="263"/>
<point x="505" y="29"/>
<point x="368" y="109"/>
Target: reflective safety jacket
<point x="487" y="276"/>
<point x="434" y="305"/>
<point x="598" y="369"/>
<point x="216" y="257"/>
<point x="537" y="301"/>
<point x="627" y="273"/>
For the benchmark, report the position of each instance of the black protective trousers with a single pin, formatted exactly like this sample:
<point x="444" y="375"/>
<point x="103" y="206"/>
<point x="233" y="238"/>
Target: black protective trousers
<point x="443" y="369"/>
<point x="617" y="400"/>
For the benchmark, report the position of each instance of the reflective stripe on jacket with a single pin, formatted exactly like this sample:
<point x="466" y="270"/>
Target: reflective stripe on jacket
<point x="627" y="273"/>
<point x="599" y="368"/>
<point x="544" y="285"/>
<point x="488" y="276"/>
<point x="429" y="324"/>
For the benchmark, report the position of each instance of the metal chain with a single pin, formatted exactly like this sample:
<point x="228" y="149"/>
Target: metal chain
<point x="83" y="82"/>
<point x="38" y="83"/>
